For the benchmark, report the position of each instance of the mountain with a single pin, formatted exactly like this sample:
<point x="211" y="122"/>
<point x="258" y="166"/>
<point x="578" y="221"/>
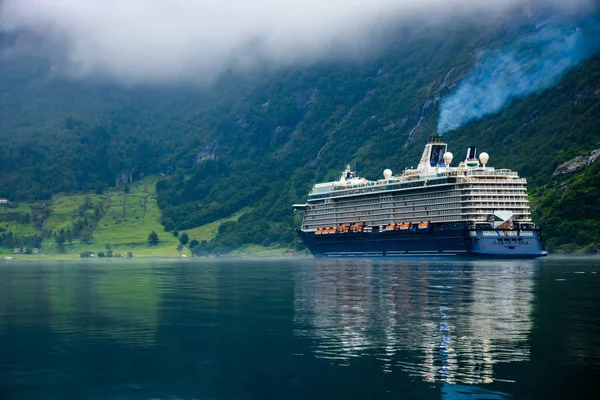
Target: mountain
<point x="258" y="142"/>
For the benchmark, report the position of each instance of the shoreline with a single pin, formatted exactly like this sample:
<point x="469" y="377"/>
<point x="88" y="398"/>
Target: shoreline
<point x="74" y="257"/>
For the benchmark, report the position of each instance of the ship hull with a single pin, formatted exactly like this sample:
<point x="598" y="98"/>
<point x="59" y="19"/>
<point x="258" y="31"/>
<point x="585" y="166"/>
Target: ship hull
<point x="438" y="241"/>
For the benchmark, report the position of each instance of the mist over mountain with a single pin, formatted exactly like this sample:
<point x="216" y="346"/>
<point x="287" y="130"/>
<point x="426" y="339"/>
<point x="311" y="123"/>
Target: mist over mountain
<point x="158" y="41"/>
<point x="96" y="94"/>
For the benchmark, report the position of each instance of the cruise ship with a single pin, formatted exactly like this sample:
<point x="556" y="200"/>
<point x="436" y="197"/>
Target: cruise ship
<point x="434" y="210"/>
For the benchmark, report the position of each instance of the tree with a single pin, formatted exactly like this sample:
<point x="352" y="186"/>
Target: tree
<point x="153" y="239"/>
<point x="194" y="243"/>
<point x="129" y="254"/>
<point x="86" y="237"/>
<point x="184" y="238"/>
<point x="179" y="247"/>
<point x="69" y="236"/>
<point x="60" y="239"/>
<point x="101" y="254"/>
<point x="169" y="225"/>
<point x="109" y="253"/>
<point x="25" y="218"/>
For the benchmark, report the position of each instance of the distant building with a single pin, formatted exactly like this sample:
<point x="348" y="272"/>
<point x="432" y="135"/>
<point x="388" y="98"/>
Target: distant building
<point x="36" y="251"/>
<point x="16" y="250"/>
<point x="3" y="201"/>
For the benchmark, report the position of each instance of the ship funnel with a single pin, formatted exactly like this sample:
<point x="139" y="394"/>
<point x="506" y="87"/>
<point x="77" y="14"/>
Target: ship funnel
<point x="471" y="159"/>
<point x="471" y="153"/>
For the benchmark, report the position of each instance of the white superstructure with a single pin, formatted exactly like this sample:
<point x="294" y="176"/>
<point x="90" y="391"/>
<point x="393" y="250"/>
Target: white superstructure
<point x="434" y="192"/>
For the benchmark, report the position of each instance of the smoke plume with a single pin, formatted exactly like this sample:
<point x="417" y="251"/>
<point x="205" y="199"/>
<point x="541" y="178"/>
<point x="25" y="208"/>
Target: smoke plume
<point x="530" y="63"/>
<point x="141" y="41"/>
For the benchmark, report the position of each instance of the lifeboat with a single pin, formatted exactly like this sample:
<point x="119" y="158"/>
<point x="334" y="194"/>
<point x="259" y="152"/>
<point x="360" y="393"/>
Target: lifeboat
<point x="344" y="229"/>
<point x="404" y="227"/>
<point x="319" y="231"/>
<point x="355" y="228"/>
<point x="424" y="225"/>
<point x="367" y="229"/>
<point x="389" y="228"/>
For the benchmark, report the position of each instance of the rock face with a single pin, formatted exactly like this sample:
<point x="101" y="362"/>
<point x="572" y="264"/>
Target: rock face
<point x="593" y="157"/>
<point x="576" y="164"/>
<point x="208" y="152"/>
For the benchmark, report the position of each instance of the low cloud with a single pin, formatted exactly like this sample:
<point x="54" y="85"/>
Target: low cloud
<point x="142" y="41"/>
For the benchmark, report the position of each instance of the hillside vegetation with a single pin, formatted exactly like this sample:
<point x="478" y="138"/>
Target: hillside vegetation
<point x="118" y="220"/>
<point x="234" y="158"/>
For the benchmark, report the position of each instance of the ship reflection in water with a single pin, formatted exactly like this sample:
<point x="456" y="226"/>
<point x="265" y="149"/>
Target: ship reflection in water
<point x="450" y="325"/>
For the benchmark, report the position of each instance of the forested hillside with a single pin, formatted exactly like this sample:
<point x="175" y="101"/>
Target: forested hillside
<point x="259" y="142"/>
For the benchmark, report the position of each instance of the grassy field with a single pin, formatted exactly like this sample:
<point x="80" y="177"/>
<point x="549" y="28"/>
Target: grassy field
<point x="126" y="221"/>
<point x="16" y="227"/>
<point x="209" y="231"/>
<point x="65" y="209"/>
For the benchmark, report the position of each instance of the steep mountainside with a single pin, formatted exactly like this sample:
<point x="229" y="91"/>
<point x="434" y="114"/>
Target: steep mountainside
<point x="263" y="140"/>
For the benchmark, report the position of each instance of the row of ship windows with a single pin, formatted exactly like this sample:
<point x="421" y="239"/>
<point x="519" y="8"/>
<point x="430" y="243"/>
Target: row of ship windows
<point x="520" y="185"/>
<point x="435" y="192"/>
<point x="392" y="204"/>
<point x="439" y="200"/>
<point x="429" y="198"/>
<point x="415" y="217"/>
<point x="388" y="197"/>
<point x="446" y="201"/>
<point x="383" y="221"/>
<point x="496" y="186"/>
<point x="433" y="209"/>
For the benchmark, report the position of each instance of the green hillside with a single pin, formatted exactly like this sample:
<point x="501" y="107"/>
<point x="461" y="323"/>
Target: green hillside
<point x="119" y="220"/>
<point x="233" y="158"/>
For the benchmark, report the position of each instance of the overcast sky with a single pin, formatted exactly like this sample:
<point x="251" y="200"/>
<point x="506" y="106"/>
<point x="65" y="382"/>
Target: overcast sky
<point x="141" y="41"/>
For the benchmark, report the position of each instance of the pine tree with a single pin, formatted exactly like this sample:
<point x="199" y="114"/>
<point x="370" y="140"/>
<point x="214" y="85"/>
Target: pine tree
<point x="153" y="238"/>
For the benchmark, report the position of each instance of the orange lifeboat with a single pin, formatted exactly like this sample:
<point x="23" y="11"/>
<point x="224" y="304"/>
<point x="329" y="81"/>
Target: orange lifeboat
<point x="389" y="228"/>
<point x="404" y="227"/>
<point x="424" y="225"/>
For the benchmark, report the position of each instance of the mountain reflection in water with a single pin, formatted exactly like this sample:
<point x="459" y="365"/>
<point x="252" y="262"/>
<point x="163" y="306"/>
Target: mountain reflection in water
<point x="299" y="329"/>
<point x="441" y="324"/>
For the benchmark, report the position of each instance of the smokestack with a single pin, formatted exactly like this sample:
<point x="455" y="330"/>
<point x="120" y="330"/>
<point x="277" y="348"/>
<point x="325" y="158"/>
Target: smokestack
<point x="471" y="153"/>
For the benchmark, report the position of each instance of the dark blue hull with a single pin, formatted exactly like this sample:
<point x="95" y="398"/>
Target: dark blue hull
<point x="437" y="241"/>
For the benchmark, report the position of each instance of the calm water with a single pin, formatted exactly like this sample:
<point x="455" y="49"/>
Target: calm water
<point x="300" y="329"/>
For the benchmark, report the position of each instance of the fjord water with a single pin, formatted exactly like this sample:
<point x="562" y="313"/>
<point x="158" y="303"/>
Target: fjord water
<point x="299" y="329"/>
